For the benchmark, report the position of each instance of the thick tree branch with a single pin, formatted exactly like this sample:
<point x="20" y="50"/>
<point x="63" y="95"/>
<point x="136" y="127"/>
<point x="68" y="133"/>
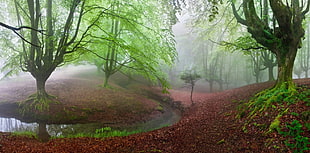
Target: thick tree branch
<point x="224" y="43"/>
<point x="307" y="9"/>
<point x="123" y="64"/>
<point x="15" y="29"/>
<point x="19" y="28"/>
<point x="237" y="16"/>
<point x="78" y="24"/>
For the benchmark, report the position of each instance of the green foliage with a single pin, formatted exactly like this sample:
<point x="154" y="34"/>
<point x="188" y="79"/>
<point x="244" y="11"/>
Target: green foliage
<point x="294" y="113"/>
<point x="307" y="125"/>
<point x="35" y="103"/>
<point x="275" y="124"/>
<point x="25" y="133"/>
<point x="305" y="116"/>
<point x="221" y="141"/>
<point x="190" y="76"/>
<point x="102" y="133"/>
<point x="295" y="140"/>
<point x="281" y="95"/>
<point x="279" y="99"/>
<point x="10" y="65"/>
<point x="207" y="10"/>
<point x="131" y="37"/>
<point x="108" y="132"/>
<point x="246" y="44"/>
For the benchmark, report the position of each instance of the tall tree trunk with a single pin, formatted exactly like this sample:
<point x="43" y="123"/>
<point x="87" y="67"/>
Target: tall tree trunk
<point x="285" y="68"/>
<point x="270" y="73"/>
<point x="106" y="79"/>
<point x="42" y="133"/>
<point x="221" y="85"/>
<point x="257" y="77"/>
<point x="41" y="92"/>
<point x="211" y="85"/>
<point x="284" y="38"/>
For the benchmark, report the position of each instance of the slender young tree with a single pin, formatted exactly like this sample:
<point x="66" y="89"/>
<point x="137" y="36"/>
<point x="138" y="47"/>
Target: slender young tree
<point x="190" y="76"/>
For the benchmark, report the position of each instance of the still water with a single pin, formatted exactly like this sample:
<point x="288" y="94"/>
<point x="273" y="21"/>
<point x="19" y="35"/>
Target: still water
<point x="15" y="125"/>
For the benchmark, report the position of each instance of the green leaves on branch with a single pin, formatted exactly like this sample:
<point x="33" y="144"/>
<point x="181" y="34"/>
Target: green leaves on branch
<point x="132" y="37"/>
<point x="244" y="43"/>
<point x="190" y="76"/>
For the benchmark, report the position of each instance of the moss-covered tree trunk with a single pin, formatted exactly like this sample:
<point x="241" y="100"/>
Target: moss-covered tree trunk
<point x="285" y="69"/>
<point x="45" y="51"/>
<point x="41" y="92"/>
<point x="282" y="35"/>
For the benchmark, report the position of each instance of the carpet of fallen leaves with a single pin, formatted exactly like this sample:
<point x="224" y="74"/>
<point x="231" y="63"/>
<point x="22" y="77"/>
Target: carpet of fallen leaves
<point x="208" y="126"/>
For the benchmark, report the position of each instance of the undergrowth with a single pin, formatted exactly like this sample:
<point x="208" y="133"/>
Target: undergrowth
<point x="101" y="133"/>
<point x="282" y="95"/>
<point x="295" y="140"/>
<point x="106" y="132"/>
<point x="25" y="133"/>
<point x="269" y="108"/>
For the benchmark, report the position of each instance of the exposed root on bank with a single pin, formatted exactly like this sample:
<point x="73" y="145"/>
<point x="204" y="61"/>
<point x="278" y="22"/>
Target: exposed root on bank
<point x="37" y="104"/>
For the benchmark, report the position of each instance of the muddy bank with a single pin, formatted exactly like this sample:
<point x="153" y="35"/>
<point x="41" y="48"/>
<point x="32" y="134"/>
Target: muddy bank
<point x="82" y="101"/>
<point x="12" y="121"/>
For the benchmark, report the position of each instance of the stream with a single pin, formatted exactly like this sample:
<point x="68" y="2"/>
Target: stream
<point x="168" y="117"/>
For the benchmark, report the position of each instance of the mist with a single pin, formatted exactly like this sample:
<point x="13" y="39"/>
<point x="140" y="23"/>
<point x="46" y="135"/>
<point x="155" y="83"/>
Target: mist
<point x="153" y="76"/>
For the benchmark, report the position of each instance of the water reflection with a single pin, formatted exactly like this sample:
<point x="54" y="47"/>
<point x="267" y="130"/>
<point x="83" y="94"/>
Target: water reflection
<point x="14" y="125"/>
<point x="44" y="130"/>
<point x="42" y="133"/>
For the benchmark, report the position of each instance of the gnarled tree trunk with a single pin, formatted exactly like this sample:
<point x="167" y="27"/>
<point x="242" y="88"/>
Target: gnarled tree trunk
<point x="285" y="68"/>
<point x="282" y="35"/>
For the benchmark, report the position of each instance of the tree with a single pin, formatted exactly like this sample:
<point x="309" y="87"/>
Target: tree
<point x="269" y="62"/>
<point x="190" y="76"/>
<point x="132" y="36"/>
<point x="208" y="32"/>
<point x="52" y="29"/>
<point x="257" y="65"/>
<point x="261" y="57"/>
<point x="111" y="58"/>
<point x="305" y="55"/>
<point x="278" y="27"/>
<point x="211" y="65"/>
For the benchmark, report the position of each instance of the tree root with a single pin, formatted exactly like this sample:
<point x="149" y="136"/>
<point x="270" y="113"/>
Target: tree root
<point x="36" y="103"/>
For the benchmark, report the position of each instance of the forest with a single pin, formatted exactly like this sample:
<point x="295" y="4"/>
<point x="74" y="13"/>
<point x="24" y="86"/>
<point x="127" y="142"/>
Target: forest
<point x="155" y="76"/>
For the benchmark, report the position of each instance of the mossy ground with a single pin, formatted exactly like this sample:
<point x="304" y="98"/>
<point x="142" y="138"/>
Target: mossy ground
<point x="271" y="110"/>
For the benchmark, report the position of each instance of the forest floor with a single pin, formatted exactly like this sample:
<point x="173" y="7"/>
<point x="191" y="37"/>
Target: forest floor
<point x="210" y="126"/>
